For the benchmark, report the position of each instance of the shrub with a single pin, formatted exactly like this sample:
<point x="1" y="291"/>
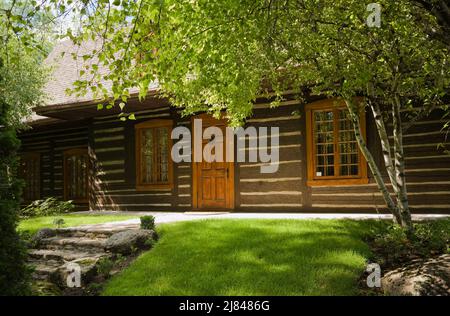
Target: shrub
<point x="14" y="274"/>
<point x="58" y="222"/>
<point x="25" y="235"/>
<point x="105" y="266"/>
<point x="150" y="243"/>
<point x="393" y="244"/>
<point x="432" y="237"/>
<point x="148" y="222"/>
<point x="49" y="206"/>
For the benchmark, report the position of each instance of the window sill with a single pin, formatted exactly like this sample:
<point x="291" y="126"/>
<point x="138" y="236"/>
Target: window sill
<point x="336" y="182"/>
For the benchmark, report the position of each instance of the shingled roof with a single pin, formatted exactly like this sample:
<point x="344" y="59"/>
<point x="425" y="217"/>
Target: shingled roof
<point x="65" y="71"/>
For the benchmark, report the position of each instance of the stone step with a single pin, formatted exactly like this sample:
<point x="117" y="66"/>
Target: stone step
<point x="56" y="272"/>
<point x="85" y="232"/>
<point x="59" y="254"/>
<point x="45" y="288"/>
<point x="63" y="255"/>
<point x="43" y="269"/>
<point x="72" y="243"/>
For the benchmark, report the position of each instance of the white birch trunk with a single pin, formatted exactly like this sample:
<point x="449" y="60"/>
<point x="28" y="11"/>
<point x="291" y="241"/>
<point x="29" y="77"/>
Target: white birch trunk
<point x="385" y="145"/>
<point x="399" y="163"/>
<point x="354" y="116"/>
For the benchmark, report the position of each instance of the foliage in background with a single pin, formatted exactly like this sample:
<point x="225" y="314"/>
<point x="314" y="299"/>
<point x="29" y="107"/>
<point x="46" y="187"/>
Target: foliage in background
<point x="22" y="86"/>
<point x="49" y="206"/>
<point x="21" y="82"/>
<point x="24" y="76"/>
<point x="34" y="24"/>
<point x="14" y="275"/>
<point x="148" y="222"/>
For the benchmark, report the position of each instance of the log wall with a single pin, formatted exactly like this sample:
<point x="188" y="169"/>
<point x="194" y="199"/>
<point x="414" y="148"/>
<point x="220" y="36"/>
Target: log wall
<point x="112" y="150"/>
<point x="427" y="174"/>
<point x="51" y="142"/>
<point x="284" y="190"/>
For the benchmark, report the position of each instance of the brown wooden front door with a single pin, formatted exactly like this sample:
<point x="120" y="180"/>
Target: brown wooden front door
<point x="213" y="182"/>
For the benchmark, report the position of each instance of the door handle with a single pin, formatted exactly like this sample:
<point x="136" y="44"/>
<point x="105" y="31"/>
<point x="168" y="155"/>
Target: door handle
<point x="228" y="173"/>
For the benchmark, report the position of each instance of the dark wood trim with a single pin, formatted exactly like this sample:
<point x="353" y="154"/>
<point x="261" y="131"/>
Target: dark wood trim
<point x="92" y="171"/>
<point x="305" y="188"/>
<point x="52" y="169"/>
<point x="130" y="154"/>
<point x="82" y="106"/>
<point x="66" y="154"/>
<point x="337" y="182"/>
<point x="36" y="156"/>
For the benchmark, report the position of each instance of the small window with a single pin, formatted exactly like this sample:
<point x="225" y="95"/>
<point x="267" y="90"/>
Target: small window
<point x="30" y="171"/>
<point x="76" y="175"/>
<point x="153" y="163"/>
<point x="333" y="153"/>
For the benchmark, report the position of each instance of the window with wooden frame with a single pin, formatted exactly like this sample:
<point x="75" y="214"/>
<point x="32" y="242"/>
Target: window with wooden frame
<point x="153" y="161"/>
<point x="76" y="175"/>
<point x="30" y="171"/>
<point x="333" y="154"/>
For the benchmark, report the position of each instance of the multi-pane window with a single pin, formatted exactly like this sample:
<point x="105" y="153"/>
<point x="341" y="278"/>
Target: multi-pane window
<point x="76" y="175"/>
<point x="347" y="146"/>
<point x="31" y="173"/>
<point x="153" y="163"/>
<point x="333" y="152"/>
<point x="324" y="143"/>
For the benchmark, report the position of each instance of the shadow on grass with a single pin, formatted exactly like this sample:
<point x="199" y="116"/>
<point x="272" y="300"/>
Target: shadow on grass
<point x="249" y="257"/>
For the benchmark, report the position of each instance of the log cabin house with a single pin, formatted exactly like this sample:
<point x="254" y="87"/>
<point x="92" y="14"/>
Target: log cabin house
<point x="75" y="152"/>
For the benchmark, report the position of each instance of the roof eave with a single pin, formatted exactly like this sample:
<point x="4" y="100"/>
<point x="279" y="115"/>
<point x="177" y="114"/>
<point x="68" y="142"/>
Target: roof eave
<point x="83" y="109"/>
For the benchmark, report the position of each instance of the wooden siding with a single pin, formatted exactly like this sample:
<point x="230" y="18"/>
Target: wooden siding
<point x="427" y="175"/>
<point x="285" y="189"/>
<point x="114" y="172"/>
<point x="113" y="186"/>
<point x="51" y="142"/>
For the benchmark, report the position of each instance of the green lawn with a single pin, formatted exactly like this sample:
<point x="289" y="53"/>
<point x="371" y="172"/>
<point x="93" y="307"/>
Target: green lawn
<point x="249" y="257"/>
<point x="32" y="225"/>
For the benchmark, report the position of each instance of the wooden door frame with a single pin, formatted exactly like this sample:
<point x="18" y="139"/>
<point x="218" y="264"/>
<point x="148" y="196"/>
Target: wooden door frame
<point x="230" y="180"/>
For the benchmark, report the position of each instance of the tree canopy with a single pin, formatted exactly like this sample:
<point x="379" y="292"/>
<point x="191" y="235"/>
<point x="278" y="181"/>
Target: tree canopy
<point x="22" y="51"/>
<point x="220" y="55"/>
